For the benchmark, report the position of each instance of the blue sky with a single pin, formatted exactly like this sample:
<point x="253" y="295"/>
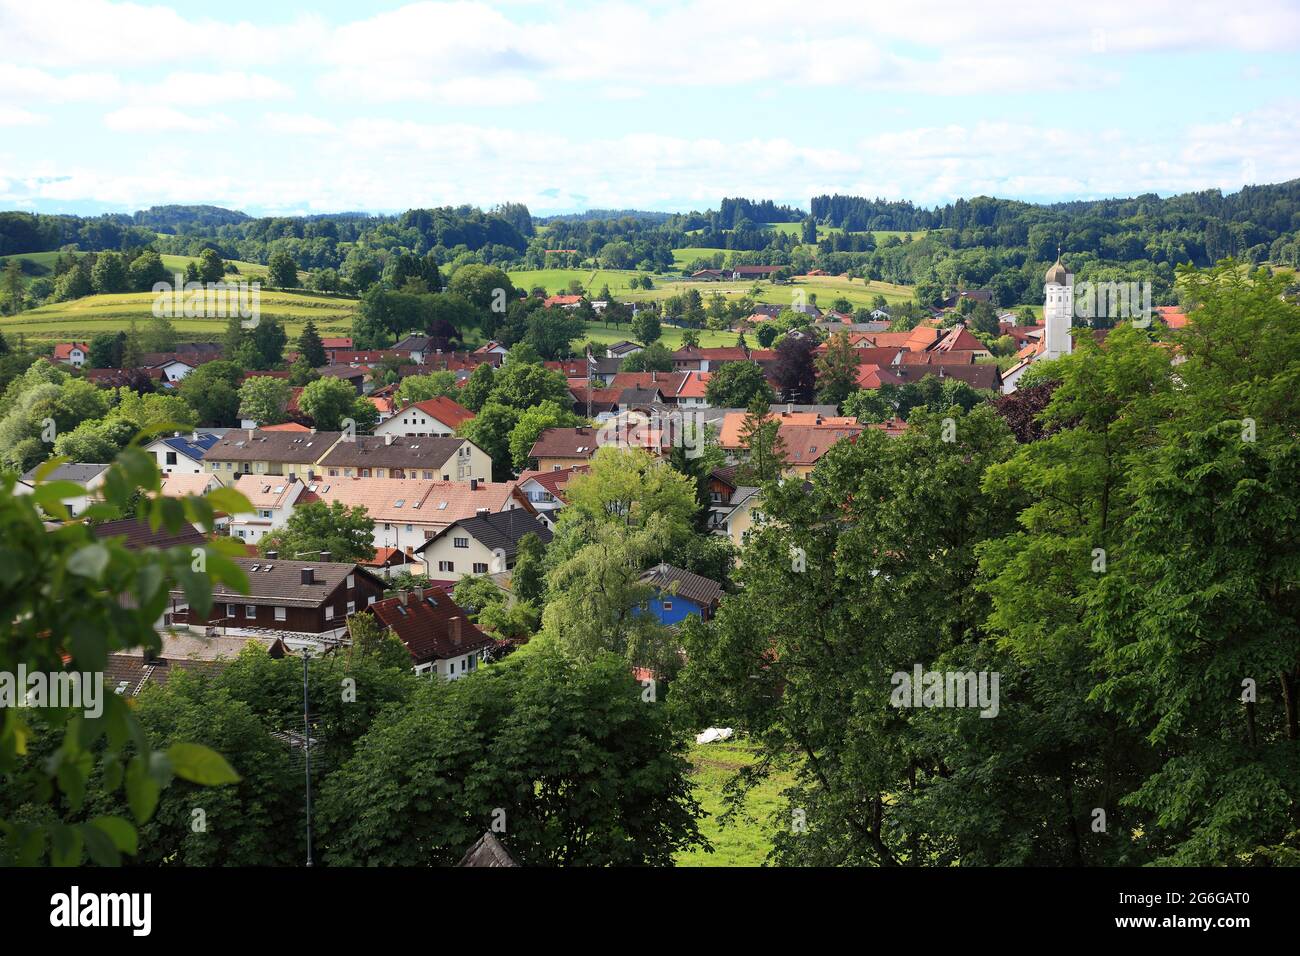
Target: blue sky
<point x="665" y="105"/>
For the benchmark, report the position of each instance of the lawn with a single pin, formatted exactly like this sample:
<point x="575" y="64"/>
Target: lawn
<point x="748" y="838"/>
<point x="83" y="318"/>
<point x="671" y="337"/>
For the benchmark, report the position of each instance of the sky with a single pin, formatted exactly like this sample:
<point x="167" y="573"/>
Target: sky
<point x="285" y="108"/>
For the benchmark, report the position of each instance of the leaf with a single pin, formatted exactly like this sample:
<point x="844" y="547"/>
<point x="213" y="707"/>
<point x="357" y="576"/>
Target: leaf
<point x="199" y="764"/>
<point x="65" y="845"/>
<point x="120" y="831"/>
<point x="89" y="562"/>
<point x="100" y="846"/>
<point x="54" y="492"/>
<point x="142" y="790"/>
<point x="228" y="500"/>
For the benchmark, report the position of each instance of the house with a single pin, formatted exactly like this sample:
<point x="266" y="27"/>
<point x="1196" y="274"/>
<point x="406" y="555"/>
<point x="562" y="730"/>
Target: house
<point x="806" y="444"/>
<point x="733" y="423"/>
<point x="415" y="347"/>
<point x="303" y="602"/>
<point x="487" y="849"/>
<point x="592" y="402"/>
<point x="740" y="515"/>
<point x="136" y="534"/>
<point x="127" y="673"/>
<point x="621" y="350"/>
<point x="390" y="562"/>
<point x="959" y="338"/>
<point x="336" y="342"/>
<point x="393" y="456"/>
<point x="483" y="544"/>
<point x="264" y="451"/>
<point x="562" y="301"/>
<point x="435" y="416"/>
<point x="705" y="360"/>
<point x="181" y="484"/>
<point x="408" y="512"/>
<point x="984" y="375"/>
<point x="604" y="368"/>
<point x="679" y="594"/>
<point x="492" y="349"/>
<point x="182" y="454"/>
<point x="440" y="636"/>
<point x="75" y="354"/>
<point x="90" y="476"/>
<point x="545" y="489"/>
<point x="272" y="498"/>
<point x="558" y="448"/>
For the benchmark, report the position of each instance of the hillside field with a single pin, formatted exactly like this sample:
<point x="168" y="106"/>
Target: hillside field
<point x="83" y="318"/>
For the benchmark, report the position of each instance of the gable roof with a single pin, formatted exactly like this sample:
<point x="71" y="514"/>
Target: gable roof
<point x="139" y="535"/>
<point x="499" y="531"/>
<point x="806" y="444"/>
<point x="451" y="413"/>
<point x="694" y="587"/>
<point x="78" y="471"/>
<point x="261" y="444"/>
<point x="378" y="451"/>
<point x="193" y="446"/>
<point x="959" y="338"/>
<point x="430" y="624"/>
<point x="64" y="349"/>
<point x="415" y="500"/>
<point x="579" y="442"/>
<point x="279" y="581"/>
<point x="554" y="480"/>
<point x="488" y="851"/>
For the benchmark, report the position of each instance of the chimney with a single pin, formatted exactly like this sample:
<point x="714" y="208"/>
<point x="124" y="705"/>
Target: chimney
<point x="325" y="556"/>
<point x="250" y="434"/>
<point x="313" y="429"/>
<point x="273" y="554"/>
<point x="480" y="512"/>
<point x="308" y="576"/>
<point x="473" y="484"/>
<point x="388" y="438"/>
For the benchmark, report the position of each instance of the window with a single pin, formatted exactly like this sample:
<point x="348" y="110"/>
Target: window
<point x="280" y="614"/>
<point x="352" y="580"/>
<point x="329" y="612"/>
<point x="668" y="605"/>
<point x="451" y="667"/>
<point x="460" y="542"/>
<point x="250" y="611"/>
<point x="232" y="610"/>
<point x="410" y="528"/>
<point x="480" y="567"/>
<point x="428" y="476"/>
<point x="171" y="458"/>
<point x="446" y="565"/>
<point x="352" y="606"/>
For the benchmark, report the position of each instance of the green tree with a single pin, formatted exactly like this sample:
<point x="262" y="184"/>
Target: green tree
<point x="530" y="425"/>
<point x="310" y="346"/>
<point x="737" y="385"/>
<point x="421" y="388"/>
<point x="211" y="268"/>
<point x="109" y="273"/>
<point x="760" y="435"/>
<point x="346" y="533"/>
<point x="282" y="271"/>
<point x="522" y="386"/>
<point x="327" y="401"/>
<point x="212" y="391"/>
<point x="415" y="791"/>
<point x="646" y="328"/>
<point x="490" y="430"/>
<point x="264" y="398"/>
<point x="837" y="370"/>
<point x="145" y="270"/>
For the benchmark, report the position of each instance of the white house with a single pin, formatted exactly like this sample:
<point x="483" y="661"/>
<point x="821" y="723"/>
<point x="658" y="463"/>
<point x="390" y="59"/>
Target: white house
<point x="181" y="454"/>
<point x="89" y="476"/>
<point x="435" y="416"/>
<point x="75" y="354"/>
<point x="272" y="497"/>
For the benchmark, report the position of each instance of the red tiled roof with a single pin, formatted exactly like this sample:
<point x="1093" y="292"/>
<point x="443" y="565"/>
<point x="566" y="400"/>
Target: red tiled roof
<point x="445" y="410"/>
<point x="431" y="625"/>
<point x="562" y="300"/>
<point x="64" y="349"/>
<point x="286" y="427"/>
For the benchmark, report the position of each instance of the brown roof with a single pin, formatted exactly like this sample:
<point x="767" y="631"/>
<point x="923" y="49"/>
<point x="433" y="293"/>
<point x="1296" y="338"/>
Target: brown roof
<point x="279" y="581"/>
<point x="805" y="444"/>
<point x="449" y="412"/>
<point x="138" y="534"/>
<point x="430" y="624"/>
<point x="259" y="444"/>
<point x="733" y="424"/>
<point x="577" y="442"/>
<point x="378" y="451"/>
<point x="694" y="587"/>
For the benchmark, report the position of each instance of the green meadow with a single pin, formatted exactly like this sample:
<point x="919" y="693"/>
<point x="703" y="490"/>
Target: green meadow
<point x="746" y="840"/>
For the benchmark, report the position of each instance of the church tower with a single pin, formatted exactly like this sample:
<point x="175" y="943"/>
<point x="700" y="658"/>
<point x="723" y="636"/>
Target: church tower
<point x="1058" y="311"/>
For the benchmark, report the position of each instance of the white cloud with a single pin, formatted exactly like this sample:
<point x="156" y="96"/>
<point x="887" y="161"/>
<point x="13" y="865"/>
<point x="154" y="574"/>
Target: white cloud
<point x="13" y="116"/>
<point x="298" y="124"/>
<point x="161" y="119"/>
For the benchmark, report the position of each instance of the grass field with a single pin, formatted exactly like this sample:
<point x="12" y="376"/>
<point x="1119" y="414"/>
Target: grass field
<point x="83" y="318"/>
<point x="671" y="338"/>
<point x="746" y="841"/>
<point x="46" y="260"/>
